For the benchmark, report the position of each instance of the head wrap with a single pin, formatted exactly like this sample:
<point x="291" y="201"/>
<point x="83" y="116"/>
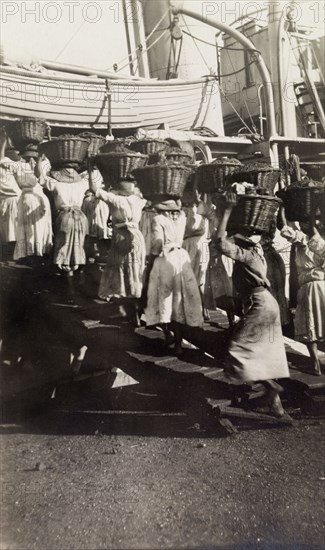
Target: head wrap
<point x="124" y="188"/>
<point x="169" y="205"/>
<point x="31" y="151"/>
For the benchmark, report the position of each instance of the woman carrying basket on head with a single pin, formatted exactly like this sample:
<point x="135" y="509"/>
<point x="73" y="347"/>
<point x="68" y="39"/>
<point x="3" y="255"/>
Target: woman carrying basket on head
<point x="34" y="227"/>
<point x="9" y="196"/>
<point x="196" y="240"/>
<point x="71" y="225"/>
<point x="122" y="277"/>
<point x="173" y="298"/>
<point x="256" y="350"/>
<point x="309" y="321"/>
<point x="25" y="215"/>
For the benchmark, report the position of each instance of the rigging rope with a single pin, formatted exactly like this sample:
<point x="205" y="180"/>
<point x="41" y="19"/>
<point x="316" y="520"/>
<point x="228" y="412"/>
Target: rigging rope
<point x="133" y="55"/>
<point x="220" y="47"/>
<point x="70" y="40"/>
<point x="157" y="25"/>
<point x="241" y="91"/>
<point x="198" y="49"/>
<point x="143" y="51"/>
<point x="234" y="108"/>
<point x="238" y="71"/>
<point x="253" y="129"/>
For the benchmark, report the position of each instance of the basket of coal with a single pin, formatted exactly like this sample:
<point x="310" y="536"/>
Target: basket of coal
<point x="303" y="200"/>
<point x="96" y="141"/>
<point x="118" y="144"/>
<point x="215" y="176"/>
<point x="255" y="213"/>
<point x="263" y="176"/>
<point x="119" y="165"/>
<point x="148" y="146"/>
<point x="162" y="179"/>
<point x="172" y="154"/>
<point x="65" y="150"/>
<point x="29" y="130"/>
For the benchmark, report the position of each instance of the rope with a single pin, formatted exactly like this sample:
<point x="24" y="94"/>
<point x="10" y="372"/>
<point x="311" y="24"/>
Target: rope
<point x="221" y="47"/>
<point x="70" y="40"/>
<point x="234" y="109"/>
<point x="198" y="49"/>
<point x="173" y="48"/>
<point x="132" y="56"/>
<point x="144" y="51"/>
<point x="199" y="39"/>
<point x="157" y="25"/>
<point x="239" y="70"/>
<point x="249" y="114"/>
<point x="234" y="72"/>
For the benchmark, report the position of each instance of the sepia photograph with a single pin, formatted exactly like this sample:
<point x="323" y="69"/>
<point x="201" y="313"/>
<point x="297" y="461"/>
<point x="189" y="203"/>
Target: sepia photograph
<point x="162" y="274"/>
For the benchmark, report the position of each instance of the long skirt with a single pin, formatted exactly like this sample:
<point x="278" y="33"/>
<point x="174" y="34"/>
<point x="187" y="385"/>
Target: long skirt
<point x="219" y="291"/>
<point x="145" y="227"/>
<point x="123" y="274"/>
<point x="277" y="276"/>
<point x="256" y="349"/>
<point x="310" y="313"/>
<point x="199" y="253"/>
<point x="8" y="219"/>
<point x="173" y="293"/>
<point x="34" y="227"/>
<point x="71" y="227"/>
<point x="97" y="213"/>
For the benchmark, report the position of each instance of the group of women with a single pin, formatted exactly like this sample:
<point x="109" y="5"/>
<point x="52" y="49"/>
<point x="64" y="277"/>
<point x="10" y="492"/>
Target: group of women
<point x="165" y="270"/>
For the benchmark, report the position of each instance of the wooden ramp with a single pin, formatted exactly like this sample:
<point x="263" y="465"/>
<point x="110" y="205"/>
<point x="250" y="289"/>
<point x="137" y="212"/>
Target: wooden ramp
<point x="53" y="338"/>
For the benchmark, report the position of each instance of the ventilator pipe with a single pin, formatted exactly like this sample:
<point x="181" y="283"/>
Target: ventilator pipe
<point x="260" y="65"/>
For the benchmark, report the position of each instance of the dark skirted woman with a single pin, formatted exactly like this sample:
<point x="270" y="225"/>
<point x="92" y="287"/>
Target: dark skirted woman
<point x="256" y="350"/>
<point x="173" y="297"/>
<point x="309" y="320"/>
<point x="123" y="274"/>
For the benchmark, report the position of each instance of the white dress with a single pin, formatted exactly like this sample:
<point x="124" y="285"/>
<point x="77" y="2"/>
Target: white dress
<point x="196" y="241"/>
<point x="9" y="195"/>
<point x="123" y="274"/>
<point x="148" y="214"/>
<point x="173" y="293"/>
<point x="96" y="210"/>
<point x="309" y="319"/>
<point x="34" y="227"/>
<point x="219" y="291"/>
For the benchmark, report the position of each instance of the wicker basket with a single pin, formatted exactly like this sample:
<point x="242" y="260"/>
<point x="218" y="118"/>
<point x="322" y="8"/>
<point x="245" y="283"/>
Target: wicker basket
<point x="170" y="155"/>
<point x="261" y="175"/>
<point x="254" y="212"/>
<point x="30" y="130"/>
<point x="116" y="145"/>
<point x="116" y="166"/>
<point x="96" y="142"/>
<point x="302" y="203"/>
<point x="162" y="179"/>
<point x="63" y="151"/>
<point x="216" y="175"/>
<point x="149" y="146"/>
<point x="314" y="171"/>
